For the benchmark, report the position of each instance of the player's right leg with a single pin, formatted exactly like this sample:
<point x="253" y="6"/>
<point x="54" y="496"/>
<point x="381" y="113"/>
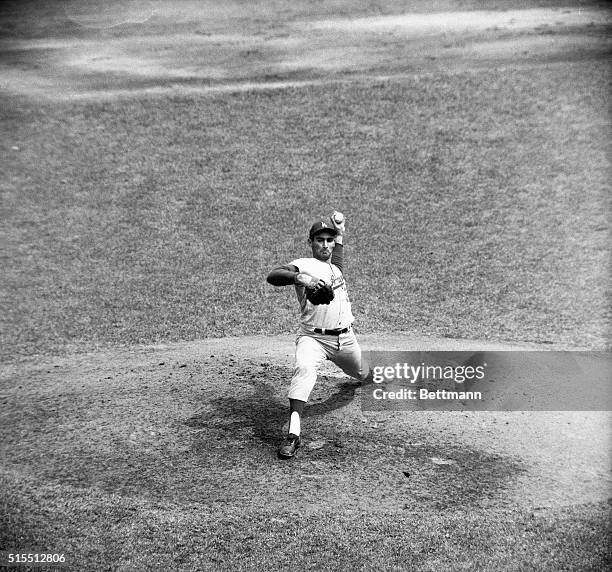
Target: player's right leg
<point x="309" y="355"/>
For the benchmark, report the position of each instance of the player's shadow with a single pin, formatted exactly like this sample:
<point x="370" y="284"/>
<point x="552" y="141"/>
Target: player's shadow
<point x="343" y="396"/>
<point x="265" y="412"/>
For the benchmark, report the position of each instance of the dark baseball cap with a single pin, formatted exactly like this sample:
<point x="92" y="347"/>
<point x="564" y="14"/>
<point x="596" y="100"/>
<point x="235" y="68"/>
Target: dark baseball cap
<point x="321" y="226"/>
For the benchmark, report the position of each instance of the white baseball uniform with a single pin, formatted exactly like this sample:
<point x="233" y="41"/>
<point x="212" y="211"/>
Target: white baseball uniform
<point x="312" y="348"/>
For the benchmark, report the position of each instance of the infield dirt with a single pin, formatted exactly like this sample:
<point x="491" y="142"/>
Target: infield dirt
<point x="199" y="393"/>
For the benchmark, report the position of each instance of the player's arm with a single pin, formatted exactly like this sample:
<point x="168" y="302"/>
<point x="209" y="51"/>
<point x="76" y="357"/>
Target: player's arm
<point x="337" y="258"/>
<point x="290" y="274"/>
<point x="283" y="275"/>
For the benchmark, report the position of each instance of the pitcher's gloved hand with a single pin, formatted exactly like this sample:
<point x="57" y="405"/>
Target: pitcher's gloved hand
<point x="317" y="290"/>
<point x="320" y="294"/>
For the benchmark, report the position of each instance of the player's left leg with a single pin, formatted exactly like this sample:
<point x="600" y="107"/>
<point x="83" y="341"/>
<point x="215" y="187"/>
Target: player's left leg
<point x="350" y="359"/>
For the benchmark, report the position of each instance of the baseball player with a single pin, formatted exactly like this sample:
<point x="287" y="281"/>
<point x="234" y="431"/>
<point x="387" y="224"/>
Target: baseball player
<point x="326" y="321"/>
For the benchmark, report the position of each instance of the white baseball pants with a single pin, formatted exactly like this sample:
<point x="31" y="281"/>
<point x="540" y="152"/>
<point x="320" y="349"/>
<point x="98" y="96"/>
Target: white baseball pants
<point x="313" y="349"/>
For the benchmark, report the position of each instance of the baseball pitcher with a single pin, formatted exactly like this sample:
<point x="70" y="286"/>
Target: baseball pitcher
<point x="326" y="319"/>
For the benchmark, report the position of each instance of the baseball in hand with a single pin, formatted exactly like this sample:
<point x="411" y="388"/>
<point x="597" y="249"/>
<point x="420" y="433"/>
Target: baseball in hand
<point x="338" y="217"/>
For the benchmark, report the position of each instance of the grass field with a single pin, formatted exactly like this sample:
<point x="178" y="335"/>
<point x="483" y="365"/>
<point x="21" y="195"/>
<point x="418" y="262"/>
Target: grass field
<point x="156" y="218"/>
<point x="145" y="196"/>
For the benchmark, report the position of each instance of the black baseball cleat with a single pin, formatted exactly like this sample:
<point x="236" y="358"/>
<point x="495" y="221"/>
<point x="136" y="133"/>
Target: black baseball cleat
<point x="289" y="446"/>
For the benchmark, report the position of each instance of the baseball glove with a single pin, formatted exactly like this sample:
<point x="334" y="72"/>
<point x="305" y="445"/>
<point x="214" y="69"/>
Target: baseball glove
<point x="320" y="294"/>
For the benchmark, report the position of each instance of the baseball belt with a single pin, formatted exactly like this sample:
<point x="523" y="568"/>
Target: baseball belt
<point x="331" y="332"/>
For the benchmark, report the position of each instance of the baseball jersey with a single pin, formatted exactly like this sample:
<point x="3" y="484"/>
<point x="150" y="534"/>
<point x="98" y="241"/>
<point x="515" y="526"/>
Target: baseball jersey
<point x="336" y="314"/>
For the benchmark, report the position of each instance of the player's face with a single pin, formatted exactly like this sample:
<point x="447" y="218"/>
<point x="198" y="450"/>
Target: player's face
<point x="322" y="245"/>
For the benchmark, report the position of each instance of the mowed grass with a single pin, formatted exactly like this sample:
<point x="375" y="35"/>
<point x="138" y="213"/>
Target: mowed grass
<point x="477" y="205"/>
<point x="172" y="466"/>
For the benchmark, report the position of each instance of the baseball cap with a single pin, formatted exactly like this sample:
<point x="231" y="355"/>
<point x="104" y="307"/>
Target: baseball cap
<point x="321" y="226"/>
